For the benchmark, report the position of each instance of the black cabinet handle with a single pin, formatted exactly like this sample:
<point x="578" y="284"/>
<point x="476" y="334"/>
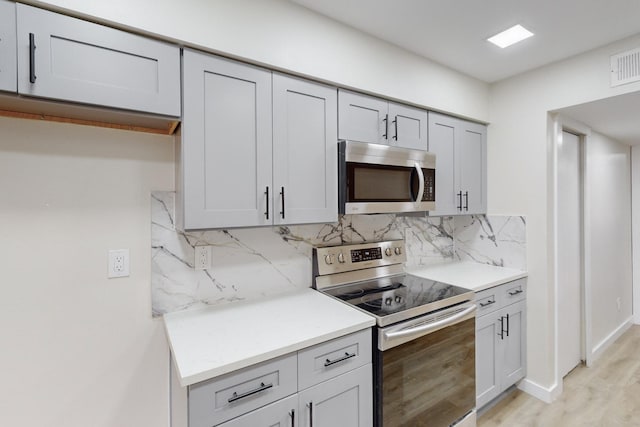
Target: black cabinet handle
<point x="460" y="200"/>
<point x="310" y="405"/>
<point x="340" y="359"/>
<point x="466" y="200"/>
<point x="292" y="414"/>
<point x="501" y="333"/>
<point x="32" y="58"/>
<point x="386" y="126"/>
<point x="395" y="122"/>
<point x="237" y="396"/>
<point x="266" y="193"/>
<point x="507" y="324"/>
<point x="282" y="201"/>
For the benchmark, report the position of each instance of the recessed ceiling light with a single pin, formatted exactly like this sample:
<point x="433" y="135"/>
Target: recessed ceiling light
<point x="512" y="35"/>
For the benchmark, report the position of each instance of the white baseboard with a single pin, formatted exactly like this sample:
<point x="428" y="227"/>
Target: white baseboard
<point x="546" y="394"/>
<point x="603" y="345"/>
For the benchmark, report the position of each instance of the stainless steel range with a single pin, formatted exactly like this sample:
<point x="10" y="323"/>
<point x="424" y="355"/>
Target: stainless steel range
<point x="424" y="342"/>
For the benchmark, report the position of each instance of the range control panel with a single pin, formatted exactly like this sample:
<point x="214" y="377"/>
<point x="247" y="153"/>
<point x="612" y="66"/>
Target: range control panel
<point x="340" y="259"/>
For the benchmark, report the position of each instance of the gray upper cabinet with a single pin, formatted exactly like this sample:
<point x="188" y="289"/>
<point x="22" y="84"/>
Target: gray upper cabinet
<point x="252" y="152"/>
<point x="368" y="119"/>
<point x="305" y="155"/>
<point x="225" y="144"/>
<point x="460" y="147"/>
<point x="68" y="59"/>
<point x="8" y="64"/>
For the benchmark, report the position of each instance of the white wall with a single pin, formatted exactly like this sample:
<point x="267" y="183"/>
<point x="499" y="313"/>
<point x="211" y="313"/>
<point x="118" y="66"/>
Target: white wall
<point x="609" y="204"/>
<point x="289" y="37"/>
<point x="519" y="169"/>
<point x="78" y="349"/>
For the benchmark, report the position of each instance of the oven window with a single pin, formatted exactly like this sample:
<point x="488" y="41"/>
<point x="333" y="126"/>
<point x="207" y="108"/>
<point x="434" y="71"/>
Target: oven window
<point x="429" y="381"/>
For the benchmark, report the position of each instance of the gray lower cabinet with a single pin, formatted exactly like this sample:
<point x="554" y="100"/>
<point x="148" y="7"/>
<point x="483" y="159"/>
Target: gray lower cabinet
<point x="69" y="59"/>
<point x="282" y="413"/>
<point x="341" y="401"/>
<point x="255" y="148"/>
<point x="500" y="339"/>
<point x="326" y="385"/>
<point x="460" y="147"/>
<point x="8" y="65"/>
<point x="369" y="119"/>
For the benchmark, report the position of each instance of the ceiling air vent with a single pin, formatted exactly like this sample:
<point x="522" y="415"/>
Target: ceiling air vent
<point x="625" y="67"/>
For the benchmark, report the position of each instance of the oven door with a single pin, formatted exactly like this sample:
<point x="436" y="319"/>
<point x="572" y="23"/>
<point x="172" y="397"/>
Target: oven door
<point x="425" y="369"/>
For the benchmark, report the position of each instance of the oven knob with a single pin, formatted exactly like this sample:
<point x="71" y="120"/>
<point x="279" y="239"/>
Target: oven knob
<point x="398" y="250"/>
<point x="387" y="252"/>
<point x="398" y="299"/>
<point x="388" y="301"/>
<point x="328" y="259"/>
<point x="341" y="258"/>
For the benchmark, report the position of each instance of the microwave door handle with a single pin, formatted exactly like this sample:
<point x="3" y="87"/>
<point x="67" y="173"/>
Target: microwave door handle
<point x="420" y="184"/>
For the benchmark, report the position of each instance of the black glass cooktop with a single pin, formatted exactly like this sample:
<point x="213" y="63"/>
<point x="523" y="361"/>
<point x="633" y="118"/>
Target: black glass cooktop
<point x="395" y="298"/>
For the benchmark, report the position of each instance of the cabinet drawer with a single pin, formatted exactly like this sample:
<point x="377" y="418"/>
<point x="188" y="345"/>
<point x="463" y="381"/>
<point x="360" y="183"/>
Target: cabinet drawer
<point x="215" y="401"/>
<point x="488" y="300"/>
<point x="513" y="291"/>
<point x="333" y="358"/>
<point x="279" y="414"/>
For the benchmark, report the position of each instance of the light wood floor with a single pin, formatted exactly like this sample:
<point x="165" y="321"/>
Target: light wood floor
<point x="607" y="394"/>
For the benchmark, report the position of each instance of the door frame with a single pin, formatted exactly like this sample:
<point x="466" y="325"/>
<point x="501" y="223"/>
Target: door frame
<point x="561" y="124"/>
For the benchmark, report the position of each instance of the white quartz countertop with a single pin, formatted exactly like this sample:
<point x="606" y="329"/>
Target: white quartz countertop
<point x="468" y="274"/>
<point x="217" y="340"/>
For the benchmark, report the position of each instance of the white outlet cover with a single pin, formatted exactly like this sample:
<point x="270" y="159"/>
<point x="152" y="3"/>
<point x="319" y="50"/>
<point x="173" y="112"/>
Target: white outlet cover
<point x="118" y="263"/>
<point x="203" y="257"/>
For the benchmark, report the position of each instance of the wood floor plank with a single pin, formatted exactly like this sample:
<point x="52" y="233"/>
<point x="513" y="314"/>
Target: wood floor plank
<point x="605" y="395"/>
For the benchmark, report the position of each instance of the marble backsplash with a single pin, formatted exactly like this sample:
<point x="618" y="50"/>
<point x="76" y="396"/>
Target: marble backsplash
<point x="254" y="262"/>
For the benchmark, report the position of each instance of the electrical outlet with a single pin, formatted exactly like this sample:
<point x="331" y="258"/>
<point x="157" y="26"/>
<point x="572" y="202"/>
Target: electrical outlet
<point x="118" y="263"/>
<point x="203" y="257"/>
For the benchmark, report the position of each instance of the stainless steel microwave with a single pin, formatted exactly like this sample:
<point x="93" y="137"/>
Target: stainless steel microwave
<point x="376" y="178"/>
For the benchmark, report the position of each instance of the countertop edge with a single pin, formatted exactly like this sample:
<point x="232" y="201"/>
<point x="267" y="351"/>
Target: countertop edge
<point x="499" y="282"/>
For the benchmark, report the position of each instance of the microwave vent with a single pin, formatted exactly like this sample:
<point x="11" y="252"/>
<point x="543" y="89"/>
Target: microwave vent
<point x="625" y="67"/>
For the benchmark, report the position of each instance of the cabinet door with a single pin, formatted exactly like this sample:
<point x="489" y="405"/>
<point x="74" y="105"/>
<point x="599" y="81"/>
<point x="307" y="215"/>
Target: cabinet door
<point x="471" y="146"/>
<point x="8" y="64"/>
<point x="344" y="401"/>
<point x="514" y="365"/>
<point x="408" y="127"/>
<point x="226" y="143"/>
<point x="279" y="414"/>
<point x="487" y="355"/>
<point x="442" y="135"/>
<point x="363" y="118"/>
<point x="73" y="60"/>
<point x="305" y="159"/>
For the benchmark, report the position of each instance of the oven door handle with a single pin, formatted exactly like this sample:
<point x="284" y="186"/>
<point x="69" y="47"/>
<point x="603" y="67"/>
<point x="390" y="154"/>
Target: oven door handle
<point x="404" y="335"/>
<point x="420" y="184"/>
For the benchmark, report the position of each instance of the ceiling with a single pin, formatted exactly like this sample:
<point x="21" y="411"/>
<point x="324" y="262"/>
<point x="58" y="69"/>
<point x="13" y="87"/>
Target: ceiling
<point x="616" y="117"/>
<point x="454" y="32"/>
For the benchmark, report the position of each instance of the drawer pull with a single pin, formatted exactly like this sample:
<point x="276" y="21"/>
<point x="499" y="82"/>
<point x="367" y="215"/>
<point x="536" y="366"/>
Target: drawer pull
<point x="516" y="292"/>
<point x="340" y="359"/>
<point x="484" y="304"/>
<point x="237" y="396"/>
